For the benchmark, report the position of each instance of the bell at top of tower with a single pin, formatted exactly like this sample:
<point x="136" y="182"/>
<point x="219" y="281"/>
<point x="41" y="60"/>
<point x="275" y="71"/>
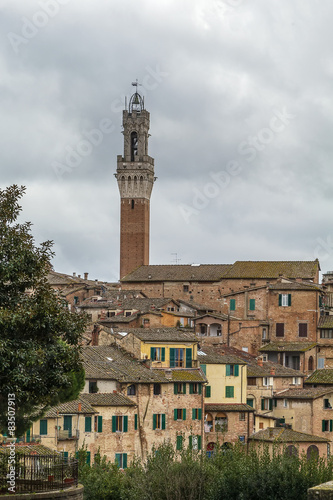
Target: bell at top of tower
<point x="136" y="102"/>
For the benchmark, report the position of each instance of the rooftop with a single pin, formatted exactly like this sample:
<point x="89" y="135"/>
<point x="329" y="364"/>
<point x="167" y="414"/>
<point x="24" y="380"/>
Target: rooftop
<point x="79" y="406"/>
<point x="287" y="346"/>
<point x="107" y="399"/>
<point x="284" y="435"/>
<point x="303" y="393"/>
<point x="164" y="334"/>
<point x="228" y="407"/>
<point x="322" y="376"/>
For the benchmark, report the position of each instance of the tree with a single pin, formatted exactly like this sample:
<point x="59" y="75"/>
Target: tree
<point x="39" y="336"/>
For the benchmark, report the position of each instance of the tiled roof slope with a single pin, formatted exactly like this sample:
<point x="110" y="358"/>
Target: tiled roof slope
<point x="209" y="355"/>
<point x="164" y="334"/>
<point x="139" y="304"/>
<point x="111" y="363"/>
<point x="325" y="322"/>
<point x="107" y="399"/>
<point x="182" y="375"/>
<point x="273" y="269"/>
<point x="175" y="272"/>
<point x="70" y="408"/>
<point x="28" y="449"/>
<point x="322" y="376"/>
<point x="306" y="393"/>
<point x="287" y="346"/>
<point x="215" y="272"/>
<point x="228" y="407"/>
<point x="295" y="286"/>
<point x="286" y="436"/>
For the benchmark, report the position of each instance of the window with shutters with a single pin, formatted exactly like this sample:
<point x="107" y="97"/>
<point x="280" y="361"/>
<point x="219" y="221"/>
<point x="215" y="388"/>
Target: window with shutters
<point x="207" y="391"/>
<point x="284" y="299"/>
<point x="157" y="353"/>
<point x="43" y="427"/>
<point x="267" y="404"/>
<point x="303" y="329"/>
<point x="232" y="370"/>
<point x="121" y="460"/>
<point x="87" y="424"/>
<point x="252" y="305"/>
<point x="177" y="358"/>
<point x="158" y="421"/>
<point x="179" y="388"/>
<point x="229" y="391"/>
<point x="242" y="415"/>
<point x="119" y="423"/>
<point x="232" y="304"/>
<point x="280" y="329"/>
<point x="93" y="386"/>
<point x="250" y="402"/>
<point x="179" y="443"/>
<point x="98" y="423"/>
<point x="327" y="425"/>
<point x="194" y="388"/>
<point x="194" y="442"/>
<point x="180" y="414"/>
<point x="251" y="381"/>
<point x="196" y="414"/>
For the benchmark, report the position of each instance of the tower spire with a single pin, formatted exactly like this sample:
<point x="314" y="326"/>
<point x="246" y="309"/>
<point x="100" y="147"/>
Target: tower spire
<point x="135" y="177"/>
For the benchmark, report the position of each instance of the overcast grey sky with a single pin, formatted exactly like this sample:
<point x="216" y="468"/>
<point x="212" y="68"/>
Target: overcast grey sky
<point x="240" y="98"/>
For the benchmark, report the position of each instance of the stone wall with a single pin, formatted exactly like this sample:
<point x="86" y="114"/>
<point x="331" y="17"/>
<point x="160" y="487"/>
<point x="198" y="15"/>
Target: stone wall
<point x="68" y="494"/>
<point x="321" y="492"/>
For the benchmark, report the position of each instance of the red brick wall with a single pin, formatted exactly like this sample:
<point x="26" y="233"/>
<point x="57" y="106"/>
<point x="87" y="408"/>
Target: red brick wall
<point x="134" y="234"/>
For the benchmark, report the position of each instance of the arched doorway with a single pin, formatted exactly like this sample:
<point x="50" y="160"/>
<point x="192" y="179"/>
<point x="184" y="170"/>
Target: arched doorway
<point x="312" y="452"/>
<point x="221" y="422"/>
<point x="310" y="364"/>
<point x="291" y="451"/>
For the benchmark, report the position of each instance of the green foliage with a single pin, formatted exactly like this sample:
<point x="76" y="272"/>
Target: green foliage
<point x="39" y="339"/>
<point x="235" y="473"/>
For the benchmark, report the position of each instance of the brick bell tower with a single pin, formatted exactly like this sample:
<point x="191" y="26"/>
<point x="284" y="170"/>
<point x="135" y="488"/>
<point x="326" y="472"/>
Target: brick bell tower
<point x="135" y="177"/>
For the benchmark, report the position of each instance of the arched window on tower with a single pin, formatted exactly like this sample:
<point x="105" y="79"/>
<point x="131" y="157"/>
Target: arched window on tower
<point x="134" y="145"/>
<point x="132" y="204"/>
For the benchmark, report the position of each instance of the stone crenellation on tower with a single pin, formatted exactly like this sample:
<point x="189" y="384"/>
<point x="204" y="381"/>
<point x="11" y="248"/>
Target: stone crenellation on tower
<point x="135" y="177"/>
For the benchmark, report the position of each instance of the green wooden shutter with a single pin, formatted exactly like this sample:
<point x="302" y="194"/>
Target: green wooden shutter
<point x="184" y="388"/>
<point x="199" y="388"/>
<point x="207" y="391"/>
<point x="200" y="414"/>
<point x="118" y="459"/>
<point x="252" y="304"/>
<point x="65" y="453"/>
<point x="125" y="423"/>
<point x="99" y="423"/>
<point x="262" y="404"/>
<point x="87" y="424"/>
<point x="175" y="388"/>
<point x="323" y="425"/>
<point x="124" y="460"/>
<point x="232" y="304"/>
<point x="203" y="368"/>
<point x="190" y="442"/>
<point x="194" y="413"/>
<point x="88" y="458"/>
<point x="229" y="392"/>
<point x="320" y="301"/>
<point x="184" y="413"/>
<point x="249" y="402"/>
<point x="175" y="414"/>
<point x="114" y="423"/>
<point x="163" y="354"/>
<point x="179" y="442"/>
<point x="289" y="299"/>
<point x="227" y="370"/>
<point x="43" y="427"/>
<point x="270" y="402"/>
<point x="199" y="442"/>
<point x="280" y="299"/>
<point x="154" y="421"/>
<point x="172" y="357"/>
<point x="163" y="421"/>
<point x="27" y="437"/>
<point x="189" y="358"/>
<point x="136" y="422"/>
<point x="152" y="353"/>
<point x="331" y="425"/>
<point x="191" y="388"/>
<point x="236" y="370"/>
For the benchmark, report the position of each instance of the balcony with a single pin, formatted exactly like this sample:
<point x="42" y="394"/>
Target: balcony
<point x="67" y="435"/>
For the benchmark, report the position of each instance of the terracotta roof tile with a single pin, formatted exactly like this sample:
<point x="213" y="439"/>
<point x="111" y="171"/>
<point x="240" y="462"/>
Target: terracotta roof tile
<point x="209" y="355"/>
<point x="107" y="399"/>
<point x="228" y="407"/>
<point x="182" y="375"/>
<point x="273" y="269"/>
<point x="287" y="346"/>
<point x="325" y="322"/>
<point x="175" y="272"/>
<point x="303" y="393"/>
<point x="322" y="376"/>
<point x="28" y="449"/>
<point x="70" y="408"/>
<point x="164" y="334"/>
<point x="284" y="435"/>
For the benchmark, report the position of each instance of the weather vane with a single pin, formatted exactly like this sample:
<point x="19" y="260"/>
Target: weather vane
<point x="136" y="84"/>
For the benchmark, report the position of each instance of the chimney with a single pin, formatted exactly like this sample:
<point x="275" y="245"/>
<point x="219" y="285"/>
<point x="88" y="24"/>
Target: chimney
<point x="74" y="275"/>
<point x="271" y="432"/>
<point x="79" y="407"/>
<point x="272" y="371"/>
<point x="79" y="276"/>
<point x="260" y="362"/>
<point x="85" y="276"/>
